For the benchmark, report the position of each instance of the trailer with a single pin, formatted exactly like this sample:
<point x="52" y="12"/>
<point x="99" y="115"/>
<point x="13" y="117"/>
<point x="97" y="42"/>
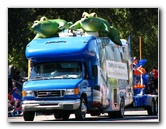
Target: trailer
<point x="144" y="99"/>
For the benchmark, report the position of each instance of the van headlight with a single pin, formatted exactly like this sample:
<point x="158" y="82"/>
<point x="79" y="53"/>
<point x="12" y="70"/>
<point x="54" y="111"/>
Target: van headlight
<point x="72" y="91"/>
<point x="27" y="93"/>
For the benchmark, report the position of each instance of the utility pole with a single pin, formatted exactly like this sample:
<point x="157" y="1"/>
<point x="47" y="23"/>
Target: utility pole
<point x="29" y="65"/>
<point x="140" y="52"/>
<point x="140" y="47"/>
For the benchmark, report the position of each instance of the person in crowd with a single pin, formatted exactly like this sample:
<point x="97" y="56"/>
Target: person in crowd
<point x="155" y="73"/>
<point x="10" y="102"/>
<point x="10" y="85"/>
<point x="16" y="99"/>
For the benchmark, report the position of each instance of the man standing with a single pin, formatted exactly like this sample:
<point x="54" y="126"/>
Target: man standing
<point x="155" y="73"/>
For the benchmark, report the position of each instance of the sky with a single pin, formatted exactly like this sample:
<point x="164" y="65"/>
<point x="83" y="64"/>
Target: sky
<point x="5" y="4"/>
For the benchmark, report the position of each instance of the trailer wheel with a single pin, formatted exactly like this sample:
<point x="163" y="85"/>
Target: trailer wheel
<point x="28" y="115"/>
<point x="151" y="109"/>
<point x="156" y="107"/>
<point x="80" y="113"/>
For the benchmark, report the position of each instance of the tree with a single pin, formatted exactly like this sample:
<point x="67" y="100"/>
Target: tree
<point x="128" y="21"/>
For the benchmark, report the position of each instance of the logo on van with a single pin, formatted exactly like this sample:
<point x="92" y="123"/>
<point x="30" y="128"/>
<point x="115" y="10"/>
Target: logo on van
<point x="48" y="93"/>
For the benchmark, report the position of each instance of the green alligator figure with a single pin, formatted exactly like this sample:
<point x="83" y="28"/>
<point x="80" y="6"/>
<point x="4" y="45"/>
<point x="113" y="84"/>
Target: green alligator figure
<point x="49" y="27"/>
<point x="92" y="23"/>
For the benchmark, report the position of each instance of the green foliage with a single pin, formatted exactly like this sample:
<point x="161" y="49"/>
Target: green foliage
<point x="128" y="21"/>
<point x="113" y="81"/>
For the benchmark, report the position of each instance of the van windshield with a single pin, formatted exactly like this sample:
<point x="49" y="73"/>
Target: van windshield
<point x="56" y="70"/>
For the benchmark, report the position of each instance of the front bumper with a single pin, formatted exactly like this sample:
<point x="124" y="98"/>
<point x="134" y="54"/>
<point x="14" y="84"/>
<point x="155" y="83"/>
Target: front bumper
<point x="50" y="105"/>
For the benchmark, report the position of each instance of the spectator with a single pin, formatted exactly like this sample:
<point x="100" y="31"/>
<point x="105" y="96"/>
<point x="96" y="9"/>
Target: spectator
<point x="10" y="102"/>
<point x="155" y="73"/>
<point x="14" y="84"/>
<point x="17" y="84"/>
<point x="17" y="98"/>
<point x="10" y="87"/>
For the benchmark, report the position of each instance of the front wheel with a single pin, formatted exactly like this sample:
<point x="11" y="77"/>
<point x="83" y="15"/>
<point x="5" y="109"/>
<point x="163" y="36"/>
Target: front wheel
<point x="58" y="115"/>
<point x="80" y="113"/>
<point x="28" y="115"/>
<point x="65" y="115"/>
<point x="62" y="115"/>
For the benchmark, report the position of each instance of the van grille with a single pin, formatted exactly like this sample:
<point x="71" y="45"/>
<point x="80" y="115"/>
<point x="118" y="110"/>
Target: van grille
<point x="50" y="93"/>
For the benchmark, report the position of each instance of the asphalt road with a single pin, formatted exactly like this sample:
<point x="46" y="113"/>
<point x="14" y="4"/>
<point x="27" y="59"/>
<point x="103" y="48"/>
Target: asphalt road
<point x="130" y="116"/>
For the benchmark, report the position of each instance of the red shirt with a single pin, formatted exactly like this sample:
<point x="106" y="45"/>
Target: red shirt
<point x="155" y="72"/>
<point x="9" y="97"/>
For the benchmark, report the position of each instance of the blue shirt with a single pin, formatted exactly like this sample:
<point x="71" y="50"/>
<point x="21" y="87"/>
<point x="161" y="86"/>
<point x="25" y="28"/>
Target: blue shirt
<point x="17" y="96"/>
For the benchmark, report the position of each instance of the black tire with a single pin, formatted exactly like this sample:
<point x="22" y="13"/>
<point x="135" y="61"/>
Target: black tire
<point x="156" y="107"/>
<point x="62" y="115"/>
<point x="58" y="115"/>
<point x="118" y="114"/>
<point x="151" y="109"/>
<point x="95" y="113"/>
<point x="65" y="116"/>
<point x="28" y="115"/>
<point x="80" y="113"/>
<point x="112" y="114"/>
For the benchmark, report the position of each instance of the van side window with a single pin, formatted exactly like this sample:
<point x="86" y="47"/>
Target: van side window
<point x="121" y="55"/>
<point x="112" y="47"/>
<point x="110" y="54"/>
<point x="123" y="49"/>
<point x="117" y="54"/>
<point x="86" y="73"/>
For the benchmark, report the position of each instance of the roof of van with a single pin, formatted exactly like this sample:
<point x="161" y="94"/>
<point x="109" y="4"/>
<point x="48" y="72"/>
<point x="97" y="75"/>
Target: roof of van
<point x="64" y="47"/>
<point x="57" y="46"/>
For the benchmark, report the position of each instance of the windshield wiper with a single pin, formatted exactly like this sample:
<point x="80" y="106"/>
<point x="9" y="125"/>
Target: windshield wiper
<point x="57" y="77"/>
<point x="71" y="76"/>
<point x="39" y="78"/>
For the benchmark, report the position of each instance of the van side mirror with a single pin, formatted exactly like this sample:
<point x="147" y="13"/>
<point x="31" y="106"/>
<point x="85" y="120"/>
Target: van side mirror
<point x="94" y="70"/>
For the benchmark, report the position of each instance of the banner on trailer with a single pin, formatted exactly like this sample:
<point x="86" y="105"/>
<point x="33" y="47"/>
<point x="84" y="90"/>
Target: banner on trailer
<point x="117" y="70"/>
